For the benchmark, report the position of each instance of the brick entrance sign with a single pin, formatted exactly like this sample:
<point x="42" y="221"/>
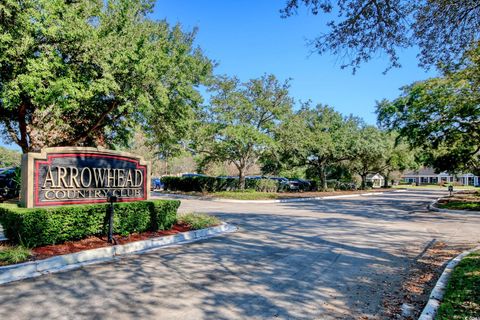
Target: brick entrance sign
<point x="78" y="175"/>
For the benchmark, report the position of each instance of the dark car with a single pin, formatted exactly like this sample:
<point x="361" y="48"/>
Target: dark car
<point x="8" y="186"/>
<point x="302" y="184"/>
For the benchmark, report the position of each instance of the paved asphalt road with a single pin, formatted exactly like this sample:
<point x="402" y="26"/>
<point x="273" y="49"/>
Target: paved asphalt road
<point x="330" y="259"/>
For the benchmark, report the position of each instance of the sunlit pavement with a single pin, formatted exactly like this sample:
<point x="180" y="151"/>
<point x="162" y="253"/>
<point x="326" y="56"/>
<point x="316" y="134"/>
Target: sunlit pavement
<point x="330" y="259"/>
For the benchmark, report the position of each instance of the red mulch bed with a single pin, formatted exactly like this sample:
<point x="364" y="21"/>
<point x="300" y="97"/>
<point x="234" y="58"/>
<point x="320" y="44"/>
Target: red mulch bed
<point x="94" y="242"/>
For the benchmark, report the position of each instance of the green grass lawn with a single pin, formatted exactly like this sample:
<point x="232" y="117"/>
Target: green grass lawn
<point x="462" y="297"/>
<point x="459" y="205"/>
<point x="13" y="254"/>
<point x="245" y="195"/>
<point x="198" y="220"/>
<point x="434" y="186"/>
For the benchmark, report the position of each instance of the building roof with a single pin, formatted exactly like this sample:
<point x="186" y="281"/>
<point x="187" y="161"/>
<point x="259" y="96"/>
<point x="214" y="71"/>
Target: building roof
<point x="374" y="176"/>
<point x="427" y="171"/>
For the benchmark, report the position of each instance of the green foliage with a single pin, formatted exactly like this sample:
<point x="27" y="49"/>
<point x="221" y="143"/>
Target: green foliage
<point x="460" y="205"/>
<point x="87" y="72"/>
<point x="9" y="158"/>
<point x="13" y="254"/>
<point x="441" y="116"/>
<point x="362" y="30"/>
<point x="216" y="184"/>
<point x="198" y="221"/>
<point x="340" y="185"/>
<point x="237" y="125"/>
<point x="17" y="179"/>
<point x="370" y="151"/>
<point x="199" y="184"/>
<point x="41" y="226"/>
<point x="398" y="156"/>
<point x="462" y="295"/>
<point x="317" y="138"/>
<point x="267" y="185"/>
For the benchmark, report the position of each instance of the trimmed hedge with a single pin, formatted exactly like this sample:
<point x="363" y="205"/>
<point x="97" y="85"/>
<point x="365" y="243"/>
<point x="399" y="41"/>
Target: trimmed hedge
<point x="199" y="184"/>
<point x="267" y="185"/>
<point x="211" y="184"/>
<point x="42" y="226"/>
<point x="341" y="185"/>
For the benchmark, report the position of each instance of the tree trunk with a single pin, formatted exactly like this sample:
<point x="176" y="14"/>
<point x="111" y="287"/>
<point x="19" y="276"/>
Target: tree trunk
<point x="387" y="178"/>
<point x="22" y="125"/>
<point x="364" y="181"/>
<point x="241" y="178"/>
<point x="323" y="178"/>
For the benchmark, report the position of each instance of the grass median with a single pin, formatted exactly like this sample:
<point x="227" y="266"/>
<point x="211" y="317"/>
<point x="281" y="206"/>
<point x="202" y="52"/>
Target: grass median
<point x="462" y="296"/>
<point x="11" y="254"/>
<point x="198" y="221"/>
<point x="245" y="195"/>
<point x="459" y="205"/>
<point x="434" y="186"/>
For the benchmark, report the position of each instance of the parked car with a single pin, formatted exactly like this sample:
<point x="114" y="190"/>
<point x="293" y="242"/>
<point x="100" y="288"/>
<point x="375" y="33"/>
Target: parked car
<point x="157" y="184"/>
<point x="189" y="175"/>
<point x="302" y="184"/>
<point x="8" y="186"/>
<point x="285" y="184"/>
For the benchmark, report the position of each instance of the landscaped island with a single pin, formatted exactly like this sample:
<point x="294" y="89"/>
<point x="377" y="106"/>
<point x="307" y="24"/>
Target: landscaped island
<point x="464" y="200"/>
<point x="39" y="233"/>
<point x="462" y="296"/>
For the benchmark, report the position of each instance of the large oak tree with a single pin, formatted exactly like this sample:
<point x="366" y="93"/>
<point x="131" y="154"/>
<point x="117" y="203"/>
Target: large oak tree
<point x="237" y="127"/>
<point x="441" y="116"/>
<point x="87" y="72"/>
<point x="317" y="138"/>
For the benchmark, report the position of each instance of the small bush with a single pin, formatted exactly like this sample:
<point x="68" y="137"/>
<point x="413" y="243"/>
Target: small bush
<point x="341" y="185"/>
<point x="13" y="254"/>
<point x="199" y="184"/>
<point x="198" y="221"/>
<point x="251" y="184"/>
<point x="41" y="226"/>
<point x="267" y="185"/>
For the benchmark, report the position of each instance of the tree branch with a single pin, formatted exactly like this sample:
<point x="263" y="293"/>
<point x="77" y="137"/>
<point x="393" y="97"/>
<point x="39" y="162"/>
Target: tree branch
<point x="98" y="124"/>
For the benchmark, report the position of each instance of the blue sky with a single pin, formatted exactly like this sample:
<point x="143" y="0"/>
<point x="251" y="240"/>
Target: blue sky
<point x="248" y="38"/>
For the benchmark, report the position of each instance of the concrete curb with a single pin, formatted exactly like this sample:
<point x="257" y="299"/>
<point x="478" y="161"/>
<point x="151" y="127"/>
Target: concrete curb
<point x="438" y="291"/>
<point x="280" y="200"/>
<point x="433" y="207"/>
<point x="76" y="260"/>
<point x="296" y="199"/>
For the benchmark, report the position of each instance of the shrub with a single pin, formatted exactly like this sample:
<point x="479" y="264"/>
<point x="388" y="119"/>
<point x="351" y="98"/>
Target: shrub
<point x="198" y="221"/>
<point x="40" y="226"/>
<point x="199" y="184"/>
<point x="13" y="254"/>
<point x="333" y="184"/>
<point x="252" y="184"/>
<point x="341" y="185"/>
<point x="267" y="185"/>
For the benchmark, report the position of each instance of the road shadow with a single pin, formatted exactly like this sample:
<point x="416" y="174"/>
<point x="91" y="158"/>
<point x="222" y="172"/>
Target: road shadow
<point x="309" y="260"/>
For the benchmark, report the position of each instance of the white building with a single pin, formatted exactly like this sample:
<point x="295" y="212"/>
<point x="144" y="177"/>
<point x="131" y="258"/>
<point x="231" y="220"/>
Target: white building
<point x="428" y="176"/>
<point x="376" y="180"/>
